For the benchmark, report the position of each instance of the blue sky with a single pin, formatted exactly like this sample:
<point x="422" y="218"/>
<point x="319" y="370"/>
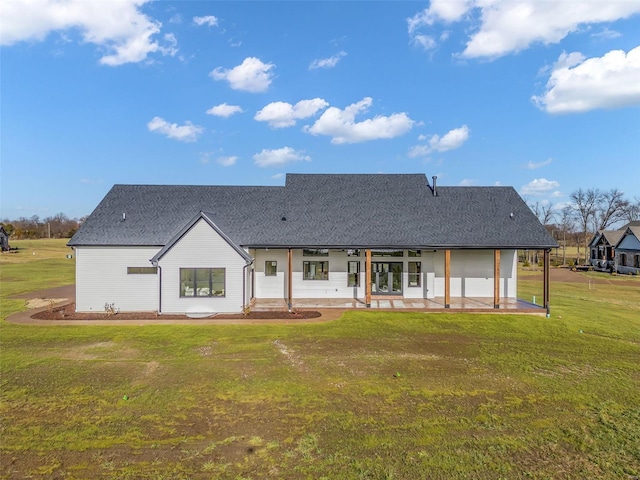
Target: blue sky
<point x="543" y="96"/>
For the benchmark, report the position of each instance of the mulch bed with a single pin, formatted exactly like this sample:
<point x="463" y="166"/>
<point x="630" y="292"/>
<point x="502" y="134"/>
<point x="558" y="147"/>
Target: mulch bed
<point x="67" y="312"/>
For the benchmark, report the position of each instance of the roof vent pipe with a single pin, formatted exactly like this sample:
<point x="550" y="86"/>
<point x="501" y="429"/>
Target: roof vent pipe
<point x="434" y="178"/>
<point x="124" y="216"/>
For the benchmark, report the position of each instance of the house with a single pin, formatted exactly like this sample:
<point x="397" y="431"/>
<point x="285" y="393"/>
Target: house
<point x="601" y="246"/>
<point x="628" y="250"/>
<point x="206" y="249"/>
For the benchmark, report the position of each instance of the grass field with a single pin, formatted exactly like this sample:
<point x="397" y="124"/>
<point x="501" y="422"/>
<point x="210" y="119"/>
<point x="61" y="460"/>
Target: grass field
<point x="373" y="395"/>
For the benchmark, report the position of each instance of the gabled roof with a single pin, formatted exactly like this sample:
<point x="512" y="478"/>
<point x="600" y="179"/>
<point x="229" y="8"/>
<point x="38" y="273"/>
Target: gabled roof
<point x="361" y="210"/>
<point x="200" y="216"/>
<point x="633" y="230"/>
<point x="611" y="237"/>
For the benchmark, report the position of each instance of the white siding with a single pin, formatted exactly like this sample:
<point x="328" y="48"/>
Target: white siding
<point x="336" y="285"/>
<point x="472" y="273"/>
<point x="202" y="247"/>
<point x="101" y="277"/>
<point x="271" y="287"/>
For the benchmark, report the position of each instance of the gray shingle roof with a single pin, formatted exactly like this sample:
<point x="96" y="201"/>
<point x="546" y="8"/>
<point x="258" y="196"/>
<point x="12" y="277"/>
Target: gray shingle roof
<point x="322" y="211"/>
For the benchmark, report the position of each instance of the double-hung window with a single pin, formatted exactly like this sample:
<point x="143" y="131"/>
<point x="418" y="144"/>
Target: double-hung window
<point x="353" y="274"/>
<point x="202" y="282"/>
<point x="415" y="269"/>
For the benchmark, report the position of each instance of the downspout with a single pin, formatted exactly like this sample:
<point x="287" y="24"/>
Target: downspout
<point x="244" y="284"/>
<point x="155" y="264"/>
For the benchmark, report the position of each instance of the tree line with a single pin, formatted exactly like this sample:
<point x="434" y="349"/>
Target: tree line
<point x="56" y="226"/>
<point x="589" y="211"/>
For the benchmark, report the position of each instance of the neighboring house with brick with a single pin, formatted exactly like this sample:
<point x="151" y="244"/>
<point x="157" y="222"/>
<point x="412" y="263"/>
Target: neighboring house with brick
<point x="207" y="249"/>
<point x="602" y="248"/>
<point x="628" y="251"/>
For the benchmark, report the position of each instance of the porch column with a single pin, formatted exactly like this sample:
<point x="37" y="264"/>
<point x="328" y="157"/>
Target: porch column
<point x="447" y="278"/>
<point x="496" y="278"/>
<point x="290" y="279"/>
<point x="367" y="278"/>
<point x="545" y="287"/>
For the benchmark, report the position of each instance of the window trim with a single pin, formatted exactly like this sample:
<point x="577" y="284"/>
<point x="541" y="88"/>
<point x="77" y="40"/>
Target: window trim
<point x="324" y="270"/>
<point x="274" y="265"/>
<point x="209" y="286"/>
<point x="356" y="283"/>
<point x="417" y="275"/>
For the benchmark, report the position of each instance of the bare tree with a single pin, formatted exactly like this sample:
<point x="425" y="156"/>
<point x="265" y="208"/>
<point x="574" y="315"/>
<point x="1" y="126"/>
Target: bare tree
<point x="632" y="210"/>
<point x="585" y="203"/>
<point x="610" y="209"/>
<point x="544" y="212"/>
<point x="567" y="224"/>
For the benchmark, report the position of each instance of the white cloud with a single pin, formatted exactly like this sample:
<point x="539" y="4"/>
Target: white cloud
<point x="227" y="161"/>
<point x="252" y="75"/>
<point x="451" y="140"/>
<point x="467" y="182"/>
<point x="502" y="27"/>
<point x="282" y="114"/>
<point x="327" y="62"/>
<point x="209" y="21"/>
<point x="443" y="10"/>
<point x="424" y="41"/>
<point x="539" y="186"/>
<point x="606" y="34"/>
<point x="579" y="85"/>
<point x="280" y="156"/>
<point x="184" y="133"/>
<point x="120" y="28"/>
<point x="342" y="127"/>
<point x="535" y="165"/>
<point x="224" y="110"/>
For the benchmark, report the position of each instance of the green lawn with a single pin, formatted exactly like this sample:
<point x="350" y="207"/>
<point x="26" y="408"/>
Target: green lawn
<point x="373" y="395"/>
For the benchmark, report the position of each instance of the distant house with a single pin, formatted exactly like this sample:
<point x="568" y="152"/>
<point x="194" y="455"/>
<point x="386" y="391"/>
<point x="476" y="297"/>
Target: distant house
<point x="628" y="251"/>
<point x="4" y="239"/>
<point x="602" y="248"/>
<point x="207" y="249"/>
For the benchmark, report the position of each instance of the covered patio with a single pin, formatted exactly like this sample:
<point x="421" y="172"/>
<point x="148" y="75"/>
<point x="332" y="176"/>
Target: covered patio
<point x="435" y="305"/>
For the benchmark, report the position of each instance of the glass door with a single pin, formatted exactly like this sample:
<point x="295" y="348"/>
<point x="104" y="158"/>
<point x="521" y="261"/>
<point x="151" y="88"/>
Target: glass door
<point x="386" y="278"/>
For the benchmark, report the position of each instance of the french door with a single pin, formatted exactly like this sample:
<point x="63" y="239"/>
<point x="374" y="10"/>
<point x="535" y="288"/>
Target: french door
<point x="386" y="278"/>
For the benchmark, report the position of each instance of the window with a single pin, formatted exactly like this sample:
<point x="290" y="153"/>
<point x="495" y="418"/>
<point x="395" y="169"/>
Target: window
<point x="315" y="270"/>
<point x="141" y="270"/>
<point x="387" y="253"/>
<point x="315" y="252"/>
<point x="353" y="274"/>
<point x="415" y="253"/>
<point x="636" y="262"/>
<point x="415" y="268"/>
<point x="270" y="268"/>
<point x="353" y="253"/>
<point x="202" y="282"/>
<point x="623" y="259"/>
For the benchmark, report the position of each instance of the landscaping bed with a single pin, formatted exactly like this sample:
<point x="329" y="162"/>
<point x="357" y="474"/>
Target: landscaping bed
<point x="67" y="312"/>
